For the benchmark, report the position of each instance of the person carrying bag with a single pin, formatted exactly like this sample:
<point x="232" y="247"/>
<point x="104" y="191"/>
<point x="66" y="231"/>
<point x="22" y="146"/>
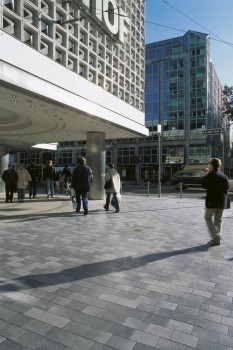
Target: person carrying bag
<point x="112" y="186"/>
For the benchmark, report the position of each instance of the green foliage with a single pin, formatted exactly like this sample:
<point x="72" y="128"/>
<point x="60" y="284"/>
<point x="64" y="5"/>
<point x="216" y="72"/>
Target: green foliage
<point x="228" y="102"/>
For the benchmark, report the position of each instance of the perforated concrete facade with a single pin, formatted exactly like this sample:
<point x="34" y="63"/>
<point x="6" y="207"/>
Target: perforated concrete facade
<point x="84" y="46"/>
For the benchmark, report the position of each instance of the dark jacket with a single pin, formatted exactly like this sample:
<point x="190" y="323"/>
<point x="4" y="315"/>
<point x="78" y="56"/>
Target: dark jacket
<point x="10" y="177"/>
<point x="82" y="178"/>
<point x="49" y="172"/>
<point x="33" y="171"/>
<point x="216" y="184"/>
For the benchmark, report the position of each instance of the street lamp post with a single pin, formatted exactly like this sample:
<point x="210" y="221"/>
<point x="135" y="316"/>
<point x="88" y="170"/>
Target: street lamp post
<point x="159" y="130"/>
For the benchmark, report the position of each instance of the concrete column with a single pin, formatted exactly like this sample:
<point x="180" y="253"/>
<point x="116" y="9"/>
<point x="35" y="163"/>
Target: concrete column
<point x="4" y="160"/>
<point x="96" y="161"/>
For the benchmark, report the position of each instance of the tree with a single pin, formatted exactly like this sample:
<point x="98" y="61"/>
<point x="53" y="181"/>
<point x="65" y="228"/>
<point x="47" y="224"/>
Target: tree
<point x="228" y="102"/>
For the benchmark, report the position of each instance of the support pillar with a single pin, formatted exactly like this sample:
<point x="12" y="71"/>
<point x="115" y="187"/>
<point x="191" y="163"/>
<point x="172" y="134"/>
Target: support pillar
<point x="96" y="161"/>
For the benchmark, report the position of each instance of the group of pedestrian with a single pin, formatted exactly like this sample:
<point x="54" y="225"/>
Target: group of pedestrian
<point x="215" y="182"/>
<point x="16" y="181"/>
<point x="81" y="180"/>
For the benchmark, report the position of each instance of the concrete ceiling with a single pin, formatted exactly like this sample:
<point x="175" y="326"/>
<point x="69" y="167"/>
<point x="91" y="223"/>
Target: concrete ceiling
<point x="27" y="119"/>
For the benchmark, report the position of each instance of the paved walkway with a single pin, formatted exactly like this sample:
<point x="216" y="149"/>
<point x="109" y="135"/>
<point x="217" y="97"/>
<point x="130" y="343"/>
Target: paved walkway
<point x="142" y="279"/>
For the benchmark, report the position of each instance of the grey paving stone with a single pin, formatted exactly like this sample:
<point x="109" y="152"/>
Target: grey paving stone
<point x="136" y="324"/>
<point x="215" y="327"/>
<point x="180" y="326"/>
<point x="165" y="344"/>
<point x="11" y="331"/>
<point x="158" y="320"/>
<point x="18" y="319"/>
<point x="52" y="345"/>
<point x="88" y="332"/>
<point x="47" y="317"/>
<point x="2" y="339"/>
<point x="159" y="331"/>
<point x="121" y="331"/>
<point x="37" y="326"/>
<point x="140" y="315"/>
<point x="106" y="315"/>
<point x="3" y="323"/>
<point x="120" y="343"/>
<point x="10" y="345"/>
<point x="205" y="333"/>
<point x="226" y="340"/>
<point x="119" y="300"/>
<point x="69" y="339"/>
<point x="30" y="340"/>
<point x="184" y="338"/>
<point x="144" y="338"/>
<point x="19" y="307"/>
<point x="6" y="313"/>
<point x="97" y="346"/>
<point x="140" y="346"/>
<point x="205" y="344"/>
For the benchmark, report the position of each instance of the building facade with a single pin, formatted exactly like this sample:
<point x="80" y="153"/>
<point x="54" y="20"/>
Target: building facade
<point x="71" y="70"/>
<point x="184" y="95"/>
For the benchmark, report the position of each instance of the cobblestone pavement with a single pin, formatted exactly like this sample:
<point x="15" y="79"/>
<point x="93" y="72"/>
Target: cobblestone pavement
<point x="142" y="279"/>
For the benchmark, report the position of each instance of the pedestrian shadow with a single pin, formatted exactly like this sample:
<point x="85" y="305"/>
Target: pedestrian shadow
<point x="101" y="268"/>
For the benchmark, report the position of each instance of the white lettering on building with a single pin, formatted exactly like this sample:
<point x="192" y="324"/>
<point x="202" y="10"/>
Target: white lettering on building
<point x="111" y="16"/>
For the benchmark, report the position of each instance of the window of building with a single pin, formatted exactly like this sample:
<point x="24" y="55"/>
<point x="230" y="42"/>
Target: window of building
<point x="126" y="155"/>
<point x="176" y="49"/>
<point x="65" y="158"/>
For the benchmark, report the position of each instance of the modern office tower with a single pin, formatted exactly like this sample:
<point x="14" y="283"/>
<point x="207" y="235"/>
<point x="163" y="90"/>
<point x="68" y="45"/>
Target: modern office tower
<point x="71" y="70"/>
<point x="183" y="94"/>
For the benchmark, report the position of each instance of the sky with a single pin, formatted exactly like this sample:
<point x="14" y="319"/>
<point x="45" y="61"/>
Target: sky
<point x="213" y="17"/>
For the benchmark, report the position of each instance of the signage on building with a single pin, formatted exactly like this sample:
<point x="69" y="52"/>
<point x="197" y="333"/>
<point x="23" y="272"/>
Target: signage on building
<point x="173" y="135"/>
<point x="110" y="15"/>
<point x="204" y="132"/>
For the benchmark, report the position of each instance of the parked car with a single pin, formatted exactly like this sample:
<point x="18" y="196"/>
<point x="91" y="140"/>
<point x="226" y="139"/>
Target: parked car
<point x="188" y="178"/>
<point x="230" y="185"/>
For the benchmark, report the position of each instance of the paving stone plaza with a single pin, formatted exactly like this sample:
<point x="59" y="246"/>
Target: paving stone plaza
<point x="142" y="279"/>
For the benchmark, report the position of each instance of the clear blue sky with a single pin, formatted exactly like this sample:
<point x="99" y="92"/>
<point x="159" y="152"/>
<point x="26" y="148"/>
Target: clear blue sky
<point x="215" y="15"/>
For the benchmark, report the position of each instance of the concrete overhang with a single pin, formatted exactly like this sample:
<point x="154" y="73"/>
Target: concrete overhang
<point x="43" y="102"/>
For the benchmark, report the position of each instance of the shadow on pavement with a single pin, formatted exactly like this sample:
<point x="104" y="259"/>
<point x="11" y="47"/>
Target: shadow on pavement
<point x="92" y="270"/>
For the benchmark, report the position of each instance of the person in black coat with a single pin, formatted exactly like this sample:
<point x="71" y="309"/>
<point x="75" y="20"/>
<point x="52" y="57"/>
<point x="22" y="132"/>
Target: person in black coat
<point x="81" y="182"/>
<point x="216" y="185"/>
<point x="49" y="175"/>
<point x="34" y="172"/>
<point x="10" y="177"/>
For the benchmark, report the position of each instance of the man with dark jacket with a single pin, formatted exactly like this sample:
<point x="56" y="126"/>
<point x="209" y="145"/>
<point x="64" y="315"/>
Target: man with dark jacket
<point x="10" y="177"/>
<point x="81" y="182"/>
<point x="216" y="184"/>
<point x="49" y="176"/>
<point x="34" y="172"/>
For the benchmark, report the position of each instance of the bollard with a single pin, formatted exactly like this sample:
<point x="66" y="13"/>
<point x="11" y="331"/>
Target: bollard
<point x="181" y="189"/>
<point x="148" y="189"/>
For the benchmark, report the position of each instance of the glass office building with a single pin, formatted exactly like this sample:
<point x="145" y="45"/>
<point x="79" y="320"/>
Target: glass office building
<point x="183" y="94"/>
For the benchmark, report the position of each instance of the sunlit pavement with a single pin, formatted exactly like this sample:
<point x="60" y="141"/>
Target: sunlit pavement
<point x="140" y="279"/>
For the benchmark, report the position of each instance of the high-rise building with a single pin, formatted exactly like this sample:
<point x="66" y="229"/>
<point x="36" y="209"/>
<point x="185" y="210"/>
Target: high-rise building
<point x="183" y="94"/>
<point x="71" y="70"/>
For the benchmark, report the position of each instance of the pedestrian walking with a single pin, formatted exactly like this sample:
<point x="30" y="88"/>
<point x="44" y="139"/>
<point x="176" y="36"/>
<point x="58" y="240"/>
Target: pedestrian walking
<point x="10" y="177"/>
<point x="113" y="178"/>
<point x="49" y="176"/>
<point x="23" y="181"/>
<point x="81" y="182"/>
<point x="34" y="172"/>
<point x="216" y="185"/>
